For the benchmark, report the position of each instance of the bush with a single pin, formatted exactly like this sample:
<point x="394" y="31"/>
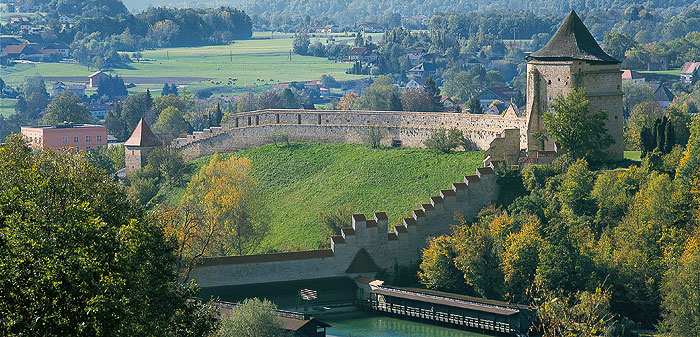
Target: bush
<point x="445" y="140"/>
<point x="374" y="136"/>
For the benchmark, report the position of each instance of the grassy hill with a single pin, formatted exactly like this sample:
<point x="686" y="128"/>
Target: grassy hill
<point x="299" y="182"/>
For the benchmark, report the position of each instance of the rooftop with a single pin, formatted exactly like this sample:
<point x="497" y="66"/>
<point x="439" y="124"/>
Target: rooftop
<point x="573" y="41"/>
<point x="142" y="136"/>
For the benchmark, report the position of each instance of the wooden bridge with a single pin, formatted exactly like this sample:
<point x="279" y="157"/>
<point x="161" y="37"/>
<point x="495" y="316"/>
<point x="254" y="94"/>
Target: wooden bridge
<point x="458" y="310"/>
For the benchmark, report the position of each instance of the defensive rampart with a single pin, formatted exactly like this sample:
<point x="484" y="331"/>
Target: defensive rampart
<point x="252" y="129"/>
<point x="362" y="249"/>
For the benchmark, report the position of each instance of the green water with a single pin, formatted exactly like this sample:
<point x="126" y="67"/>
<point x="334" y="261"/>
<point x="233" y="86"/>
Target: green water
<point x="366" y="325"/>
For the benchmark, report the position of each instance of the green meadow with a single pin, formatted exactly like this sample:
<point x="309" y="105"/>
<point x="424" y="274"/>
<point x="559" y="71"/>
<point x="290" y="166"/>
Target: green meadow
<point x="299" y="182"/>
<point x="249" y="61"/>
<point x="7" y="106"/>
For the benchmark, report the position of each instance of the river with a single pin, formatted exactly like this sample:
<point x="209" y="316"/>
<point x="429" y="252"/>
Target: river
<point x="361" y="324"/>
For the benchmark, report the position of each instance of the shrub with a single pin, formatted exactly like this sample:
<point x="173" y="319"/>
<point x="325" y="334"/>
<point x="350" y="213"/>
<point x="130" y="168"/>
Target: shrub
<point x="445" y="140"/>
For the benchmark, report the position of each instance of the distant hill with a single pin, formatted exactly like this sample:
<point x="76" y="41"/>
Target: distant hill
<point x="351" y="11"/>
<point x="300" y="182"/>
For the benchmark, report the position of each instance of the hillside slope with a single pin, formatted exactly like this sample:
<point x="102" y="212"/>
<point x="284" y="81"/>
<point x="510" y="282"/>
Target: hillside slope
<point x="299" y="182"/>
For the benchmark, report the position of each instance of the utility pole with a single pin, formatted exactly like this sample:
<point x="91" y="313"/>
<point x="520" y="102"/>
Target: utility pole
<point x="167" y="55"/>
<point x="230" y="56"/>
<point x="514" y="29"/>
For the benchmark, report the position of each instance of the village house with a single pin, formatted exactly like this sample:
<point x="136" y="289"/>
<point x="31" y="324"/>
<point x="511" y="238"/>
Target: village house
<point x="67" y="20"/>
<point x="370" y="27"/>
<point x="662" y="65"/>
<point x="22" y="50"/>
<point x="95" y="78"/>
<point x="81" y="136"/>
<point x="56" y="47"/>
<point x="416" y="83"/>
<point x="60" y="87"/>
<point x="662" y="94"/>
<point x="488" y="96"/>
<point x="689" y="71"/>
<point x="362" y="54"/>
<point x="415" y="55"/>
<point x="423" y="70"/>
<point x="631" y="76"/>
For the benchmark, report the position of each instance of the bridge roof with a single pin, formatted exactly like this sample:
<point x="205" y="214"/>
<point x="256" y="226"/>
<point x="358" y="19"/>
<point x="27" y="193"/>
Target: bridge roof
<point x="449" y="299"/>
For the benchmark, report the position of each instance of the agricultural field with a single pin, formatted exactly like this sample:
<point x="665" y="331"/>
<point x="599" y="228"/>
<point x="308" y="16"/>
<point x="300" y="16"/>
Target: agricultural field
<point x="257" y="64"/>
<point x="299" y="182"/>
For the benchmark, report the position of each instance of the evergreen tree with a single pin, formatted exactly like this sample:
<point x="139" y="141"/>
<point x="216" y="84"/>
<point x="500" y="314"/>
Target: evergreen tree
<point x="670" y="135"/>
<point x="434" y="92"/>
<point x="475" y="106"/>
<point x="166" y="90"/>
<point x="173" y="89"/>
<point x="647" y="140"/>
<point x="659" y="130"/>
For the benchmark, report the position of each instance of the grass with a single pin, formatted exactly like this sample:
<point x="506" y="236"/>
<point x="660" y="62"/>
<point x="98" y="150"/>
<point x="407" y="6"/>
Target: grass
<point x="299" y="182"/>
<point x="672" y="72"/>
<point x="246" y="60"/>
<point x="7" y="106"/>
<point x="633" y="155"/>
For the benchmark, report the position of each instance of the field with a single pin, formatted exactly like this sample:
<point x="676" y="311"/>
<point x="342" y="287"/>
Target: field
<point x="257" y="64"/>
<point x="299" y="182"/>
<point x="7" y="106"/>
<point x="673" y="72"/>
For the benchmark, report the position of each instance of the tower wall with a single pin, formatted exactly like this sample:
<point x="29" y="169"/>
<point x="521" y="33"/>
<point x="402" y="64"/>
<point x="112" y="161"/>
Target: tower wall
<point x="549" y="79"/>
<point x="136" y="157"/>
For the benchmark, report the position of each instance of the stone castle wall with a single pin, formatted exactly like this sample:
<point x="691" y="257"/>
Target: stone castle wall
<point x="252" y="129"/>
<point x="402" y="246"/>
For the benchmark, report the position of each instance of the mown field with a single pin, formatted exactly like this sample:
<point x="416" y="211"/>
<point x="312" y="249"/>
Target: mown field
<point x="247" y="60"/>
<point x="297" y="183"/>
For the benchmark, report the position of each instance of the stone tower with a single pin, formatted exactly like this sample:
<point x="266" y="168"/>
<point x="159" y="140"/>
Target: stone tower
<point x="137" y="147"/>
<point x="573" y="59"/>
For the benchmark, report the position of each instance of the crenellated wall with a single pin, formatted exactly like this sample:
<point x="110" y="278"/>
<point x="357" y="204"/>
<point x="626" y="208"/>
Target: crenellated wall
<point x="252" y="129"/>
<point x="402" y="246"/>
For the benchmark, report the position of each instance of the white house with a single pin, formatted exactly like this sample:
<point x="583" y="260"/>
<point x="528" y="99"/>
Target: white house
<point x="689" y="70"/>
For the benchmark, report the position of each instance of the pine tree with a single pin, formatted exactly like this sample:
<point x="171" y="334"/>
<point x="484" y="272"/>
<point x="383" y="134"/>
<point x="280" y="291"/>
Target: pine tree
<point x="149" y="98"/>
<point x="166" y="90"/>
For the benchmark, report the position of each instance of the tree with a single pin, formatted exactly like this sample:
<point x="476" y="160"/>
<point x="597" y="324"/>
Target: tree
<point x="521" y="258"/>
<point x="416" y="100"/>
<point x="66" y="107"/>
<point x="111" y="87"/>
<point x="445" y="140"/>
<point x="642" y="116"/>
<point x="474" y="106"/>
<point x="574" y="129"/>
<point x="374" y="136"/>
<point x="79" y="258"/>
<point x="252" y="318"/>
<point x="635" y="93"/>
<point x="437" y="267"/>
<point x="617" y="44"/>
<point x="382" y="95"/>
<point x="680" y="287"/>
<point x="347" y="102"/>
<point x="585" y="314"/>
<point x="36" y="102"/>
<point x="301" y="42"/>
<point x="465" y="84"/>
<point x="225" y="194"/>
<point x="34" y="84"/>
<point x="434" y="93"/>
<point x="171" y="123"/>
<point x="478" y="259"/>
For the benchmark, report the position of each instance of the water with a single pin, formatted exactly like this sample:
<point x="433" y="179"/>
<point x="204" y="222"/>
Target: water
<point x="362" y="324"/>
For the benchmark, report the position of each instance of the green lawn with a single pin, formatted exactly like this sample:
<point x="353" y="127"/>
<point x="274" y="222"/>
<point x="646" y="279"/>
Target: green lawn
<point x="633" y="155"/>
<point x="7" y="106"/>
<point x="672" y="72"/>
<point x="299" y="182"/>
<point x="246" y="60"/>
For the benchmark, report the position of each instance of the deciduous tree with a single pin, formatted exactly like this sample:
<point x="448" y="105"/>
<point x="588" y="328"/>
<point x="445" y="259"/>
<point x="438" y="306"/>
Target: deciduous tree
<point x="66" y="107"/>
<point x="576" y="130"/>
<point x="225" y="195"/>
